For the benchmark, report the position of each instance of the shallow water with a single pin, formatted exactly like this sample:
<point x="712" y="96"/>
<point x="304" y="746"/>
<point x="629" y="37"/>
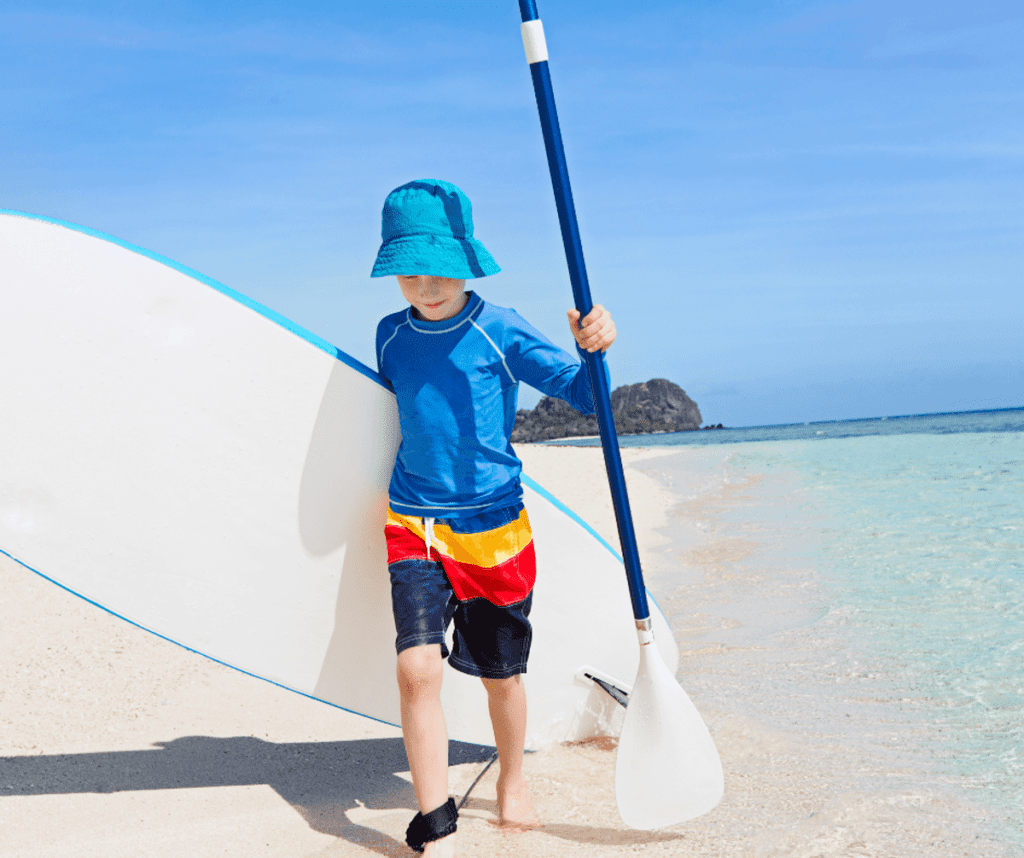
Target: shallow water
<point x="998" y="420"/>
<point x="869" y="595"/>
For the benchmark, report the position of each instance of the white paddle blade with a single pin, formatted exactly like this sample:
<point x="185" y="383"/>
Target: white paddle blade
<point x="667" y="769"/>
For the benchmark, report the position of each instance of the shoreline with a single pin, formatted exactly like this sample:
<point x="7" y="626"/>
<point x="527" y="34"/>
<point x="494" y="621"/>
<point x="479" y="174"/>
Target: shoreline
<point x="820" y="762"/>
<point x="125" y="744"/>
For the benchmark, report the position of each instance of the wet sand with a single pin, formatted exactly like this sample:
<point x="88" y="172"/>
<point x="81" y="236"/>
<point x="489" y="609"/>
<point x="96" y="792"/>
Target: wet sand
<point x="116" y="743"/>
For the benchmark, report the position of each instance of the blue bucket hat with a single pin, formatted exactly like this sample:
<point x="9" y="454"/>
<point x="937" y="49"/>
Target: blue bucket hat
<point x="427" y="228"/>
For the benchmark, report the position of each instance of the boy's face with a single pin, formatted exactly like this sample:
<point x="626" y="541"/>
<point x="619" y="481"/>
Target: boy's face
<point x="434" y="298"/>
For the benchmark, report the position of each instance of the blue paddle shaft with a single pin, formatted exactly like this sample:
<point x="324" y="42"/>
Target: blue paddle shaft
<point x="581" y="293"/>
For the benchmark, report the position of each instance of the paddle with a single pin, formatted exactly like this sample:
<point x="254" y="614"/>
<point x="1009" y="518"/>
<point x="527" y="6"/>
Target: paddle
<point x="667" y="769"/>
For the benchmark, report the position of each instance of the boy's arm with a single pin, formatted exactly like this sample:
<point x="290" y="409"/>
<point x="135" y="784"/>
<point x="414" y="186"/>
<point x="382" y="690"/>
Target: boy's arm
<point x="383" y="333"/>
<point x="538" y="362"/>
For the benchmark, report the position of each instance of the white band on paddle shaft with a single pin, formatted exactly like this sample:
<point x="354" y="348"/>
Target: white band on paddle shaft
<point x="533" y="41"/>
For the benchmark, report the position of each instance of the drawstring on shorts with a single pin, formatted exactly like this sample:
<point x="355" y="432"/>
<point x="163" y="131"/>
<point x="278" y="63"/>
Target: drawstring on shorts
<point x="428" y="536"/>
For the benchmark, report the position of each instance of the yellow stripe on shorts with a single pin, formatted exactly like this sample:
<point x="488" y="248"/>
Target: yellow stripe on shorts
<point x="487" y="548"/>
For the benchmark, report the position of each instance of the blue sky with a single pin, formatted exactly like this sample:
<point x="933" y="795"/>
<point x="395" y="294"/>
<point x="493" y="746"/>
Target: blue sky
<point x="795" y="210"/>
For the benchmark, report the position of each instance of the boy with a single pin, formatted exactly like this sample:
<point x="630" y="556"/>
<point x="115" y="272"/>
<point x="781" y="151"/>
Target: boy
<point x="458" y="538"/>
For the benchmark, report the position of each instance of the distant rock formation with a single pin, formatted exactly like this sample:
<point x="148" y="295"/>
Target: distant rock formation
<point x="657" y="405"/>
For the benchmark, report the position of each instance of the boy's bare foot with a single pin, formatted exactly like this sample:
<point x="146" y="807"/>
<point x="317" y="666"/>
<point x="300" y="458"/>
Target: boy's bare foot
<point x="515" y="807"/>
<point x="443" y="848"/>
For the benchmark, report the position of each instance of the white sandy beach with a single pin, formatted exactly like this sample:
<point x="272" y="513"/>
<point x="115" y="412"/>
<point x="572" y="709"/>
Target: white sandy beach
<point x="115" y="743"/>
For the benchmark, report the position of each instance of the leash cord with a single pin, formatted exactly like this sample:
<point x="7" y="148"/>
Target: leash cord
<point x="483" y="772"/>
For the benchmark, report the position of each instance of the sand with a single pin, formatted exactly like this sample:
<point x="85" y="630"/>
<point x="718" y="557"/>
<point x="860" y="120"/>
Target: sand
<point x="116" y="743"/>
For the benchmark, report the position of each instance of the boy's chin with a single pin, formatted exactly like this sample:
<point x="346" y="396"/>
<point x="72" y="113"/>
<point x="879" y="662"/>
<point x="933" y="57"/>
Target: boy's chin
<point x="429" y="315"/>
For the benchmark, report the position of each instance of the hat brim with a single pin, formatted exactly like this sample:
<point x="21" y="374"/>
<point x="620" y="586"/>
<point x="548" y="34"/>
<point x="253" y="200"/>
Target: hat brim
<point x="434" y="255"/>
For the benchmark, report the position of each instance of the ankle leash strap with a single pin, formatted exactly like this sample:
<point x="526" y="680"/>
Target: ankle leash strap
<point x="426" y="828"/>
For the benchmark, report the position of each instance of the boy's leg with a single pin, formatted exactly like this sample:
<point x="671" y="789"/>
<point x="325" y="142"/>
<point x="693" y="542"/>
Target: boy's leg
<point x="423" y="606"/>
<point x="423" y="727"/>
<point x="506" y="699"/>
<point x="425" y="734"/>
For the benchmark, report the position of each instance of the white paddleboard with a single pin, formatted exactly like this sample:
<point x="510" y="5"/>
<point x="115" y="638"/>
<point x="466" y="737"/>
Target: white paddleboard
<point x="209" y="471"/>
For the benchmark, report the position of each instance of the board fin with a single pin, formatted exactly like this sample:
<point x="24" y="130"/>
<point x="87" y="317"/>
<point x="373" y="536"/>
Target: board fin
<point x="621" y="696"/>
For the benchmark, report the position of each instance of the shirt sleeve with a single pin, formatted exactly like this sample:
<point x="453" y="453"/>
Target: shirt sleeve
<point x="383" y="331"/>
<point x="538" y="362"/>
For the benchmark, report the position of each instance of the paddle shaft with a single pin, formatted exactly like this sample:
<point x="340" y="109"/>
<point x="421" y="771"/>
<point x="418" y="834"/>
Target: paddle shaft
<point x="536" y="54"/>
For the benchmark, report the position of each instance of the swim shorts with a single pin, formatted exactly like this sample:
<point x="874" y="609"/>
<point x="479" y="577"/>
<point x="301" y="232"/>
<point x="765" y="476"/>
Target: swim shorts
<point x="475" y="573"/>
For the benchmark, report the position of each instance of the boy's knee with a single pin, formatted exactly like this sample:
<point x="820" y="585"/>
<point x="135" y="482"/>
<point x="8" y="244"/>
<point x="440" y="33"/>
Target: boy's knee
<point x="420" y="670"/>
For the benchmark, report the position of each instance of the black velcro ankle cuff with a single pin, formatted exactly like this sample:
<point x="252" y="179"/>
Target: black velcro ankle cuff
<point x="426" y="828"/>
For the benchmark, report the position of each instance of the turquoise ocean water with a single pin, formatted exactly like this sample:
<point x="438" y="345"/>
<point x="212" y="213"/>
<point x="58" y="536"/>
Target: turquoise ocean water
<point x="906" y="535"/>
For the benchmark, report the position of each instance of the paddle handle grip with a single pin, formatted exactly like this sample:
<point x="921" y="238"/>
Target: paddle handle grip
<point x="536" y="54"/>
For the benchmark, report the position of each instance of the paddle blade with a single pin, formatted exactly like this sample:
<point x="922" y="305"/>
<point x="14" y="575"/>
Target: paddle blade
<point x="667" y="769"/>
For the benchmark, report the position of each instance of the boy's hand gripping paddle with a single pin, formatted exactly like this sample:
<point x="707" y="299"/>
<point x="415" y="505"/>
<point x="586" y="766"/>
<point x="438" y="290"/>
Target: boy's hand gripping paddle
<point x="667" y="769"/>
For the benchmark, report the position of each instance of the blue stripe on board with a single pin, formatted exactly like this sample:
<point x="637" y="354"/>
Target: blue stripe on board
<point x="544" y="493"/>
<point x="266" y="312"/>
<point x="186" y="647"/>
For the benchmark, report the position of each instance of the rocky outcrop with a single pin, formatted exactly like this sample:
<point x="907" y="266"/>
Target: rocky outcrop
<point x="657" y="405"/>
<point x="551" y="419"/>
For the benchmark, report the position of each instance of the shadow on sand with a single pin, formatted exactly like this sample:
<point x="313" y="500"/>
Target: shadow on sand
<point x="321" y="780"/>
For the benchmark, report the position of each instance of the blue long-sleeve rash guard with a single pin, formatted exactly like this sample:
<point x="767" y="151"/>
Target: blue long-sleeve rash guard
<point x="456" y="382"/>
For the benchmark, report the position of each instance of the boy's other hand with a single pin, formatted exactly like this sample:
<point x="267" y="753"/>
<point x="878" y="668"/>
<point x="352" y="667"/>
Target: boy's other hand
<point x="597" y="330"/>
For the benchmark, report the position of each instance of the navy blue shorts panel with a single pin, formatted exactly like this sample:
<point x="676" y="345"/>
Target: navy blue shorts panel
<point x="489" y="640"/>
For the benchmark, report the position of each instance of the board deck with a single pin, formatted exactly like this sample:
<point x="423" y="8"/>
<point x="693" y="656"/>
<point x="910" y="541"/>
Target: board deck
<point x="204" y="468"/>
